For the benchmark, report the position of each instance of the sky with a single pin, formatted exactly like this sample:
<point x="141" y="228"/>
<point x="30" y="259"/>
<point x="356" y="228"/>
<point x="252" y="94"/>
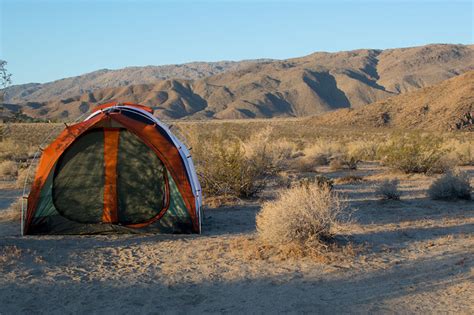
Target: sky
<point x="48" y="40"/>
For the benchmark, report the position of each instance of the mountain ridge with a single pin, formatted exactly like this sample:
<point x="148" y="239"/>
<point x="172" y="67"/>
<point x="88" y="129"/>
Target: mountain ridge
<point x="303" y="86"/>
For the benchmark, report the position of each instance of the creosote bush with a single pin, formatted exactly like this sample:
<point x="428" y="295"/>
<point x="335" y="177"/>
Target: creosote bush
<point x="225" y="168"/>
<point x="451" y="186"/>
<point x="416" y="153"/>
<point x="304" y="215"/>
<point x="388" y="190"/>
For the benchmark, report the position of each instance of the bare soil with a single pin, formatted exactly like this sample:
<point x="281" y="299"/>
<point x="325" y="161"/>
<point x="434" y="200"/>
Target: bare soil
<point x="415" y="256"/>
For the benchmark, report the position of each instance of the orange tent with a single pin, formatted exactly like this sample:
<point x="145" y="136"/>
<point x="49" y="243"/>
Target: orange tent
<point x="120" y="170"/>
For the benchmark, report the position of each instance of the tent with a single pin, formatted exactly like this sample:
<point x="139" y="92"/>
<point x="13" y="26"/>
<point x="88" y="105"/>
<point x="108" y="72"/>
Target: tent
<point x="120" y="170"/>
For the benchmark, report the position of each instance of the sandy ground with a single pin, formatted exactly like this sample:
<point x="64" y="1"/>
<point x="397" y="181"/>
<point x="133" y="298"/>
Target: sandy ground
<point x="416" y="257"/>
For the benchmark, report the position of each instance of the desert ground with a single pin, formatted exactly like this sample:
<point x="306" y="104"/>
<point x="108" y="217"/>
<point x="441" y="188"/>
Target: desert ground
<point x="413" y="255"/>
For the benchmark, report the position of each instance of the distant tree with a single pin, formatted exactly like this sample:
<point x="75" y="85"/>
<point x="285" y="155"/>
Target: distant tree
<point x="5" y="80"/>
<point x="5" y="77"/>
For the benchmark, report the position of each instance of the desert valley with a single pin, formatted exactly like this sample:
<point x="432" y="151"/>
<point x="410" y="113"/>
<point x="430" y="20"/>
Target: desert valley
<point x="332" y="183"/>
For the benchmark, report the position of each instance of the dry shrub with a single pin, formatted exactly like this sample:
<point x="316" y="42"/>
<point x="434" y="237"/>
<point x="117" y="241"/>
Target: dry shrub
<point x="8" y="169"/>
<point x="317" y="154"/>
<point x="10" y="150"/>
<point x="416" y="153"/>
<point x="219" y="201"/>
<point x="275" y="154"/>
<point x="13" y="212"/>
<point x="364" y="150"/>
<point x="388" y="190"/>
<point x="304" y="216"/>
<point x="230" y="166"/>
<point x="224" y="168"/>
<point x="451" y="186"/>
<point x="343" y="162"/>
<point x="319" y="180"/>
<point x="461" y="151"/>
<point x="350" y="179"/>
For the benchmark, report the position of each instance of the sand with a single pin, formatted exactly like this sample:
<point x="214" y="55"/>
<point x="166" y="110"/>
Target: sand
<point x="416" y="256"/>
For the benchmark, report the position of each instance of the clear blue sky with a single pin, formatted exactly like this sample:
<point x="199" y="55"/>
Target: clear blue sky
<point x="48" y="40"/>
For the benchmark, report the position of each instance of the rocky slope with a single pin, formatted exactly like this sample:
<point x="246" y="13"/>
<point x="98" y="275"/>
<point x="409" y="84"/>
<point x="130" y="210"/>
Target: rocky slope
<point x="439" y="107"/>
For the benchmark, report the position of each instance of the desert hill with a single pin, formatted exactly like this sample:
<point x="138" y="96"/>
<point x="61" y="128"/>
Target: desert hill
<point x="438" y="107"/>
<point x="104" y="78"/>
<point x="304" y="86"/>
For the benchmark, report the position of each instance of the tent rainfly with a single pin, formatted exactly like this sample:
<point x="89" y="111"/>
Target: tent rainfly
<point x="120" y="170"/>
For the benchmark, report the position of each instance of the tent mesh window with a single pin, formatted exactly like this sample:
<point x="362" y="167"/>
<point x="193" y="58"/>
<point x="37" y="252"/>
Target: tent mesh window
<point x="141" y="181"/>
<point x="78" y="183"/>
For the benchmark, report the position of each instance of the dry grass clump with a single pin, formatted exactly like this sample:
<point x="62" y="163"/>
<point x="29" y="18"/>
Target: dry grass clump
<point x="416" y="153"/>
<point x="12" y="213"/>
<point x="302" y="217"/>
<point x="8" y="169"/>
<point x="388" y="190"/>
<point x="451" y="186"/>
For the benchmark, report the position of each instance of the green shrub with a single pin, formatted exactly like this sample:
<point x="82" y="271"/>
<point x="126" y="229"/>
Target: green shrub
<point x="416" y="153"/>
<point x="224" y="169"/>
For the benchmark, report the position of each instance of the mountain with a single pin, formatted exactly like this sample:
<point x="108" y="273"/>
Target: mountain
<point x="69" y="87"/>
<point x="438" y="107"/>
<point x="304" y="86"/>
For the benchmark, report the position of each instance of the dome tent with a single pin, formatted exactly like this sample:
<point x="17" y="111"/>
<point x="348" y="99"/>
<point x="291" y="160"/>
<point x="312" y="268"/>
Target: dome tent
<point x="120" y="170"/>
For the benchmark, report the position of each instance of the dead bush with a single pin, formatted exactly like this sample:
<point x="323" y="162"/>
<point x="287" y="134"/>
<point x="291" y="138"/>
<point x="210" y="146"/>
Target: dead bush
<point x="301" y="216"/>
<point x="388" y="190"/>
<point x="451" y="186"/>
